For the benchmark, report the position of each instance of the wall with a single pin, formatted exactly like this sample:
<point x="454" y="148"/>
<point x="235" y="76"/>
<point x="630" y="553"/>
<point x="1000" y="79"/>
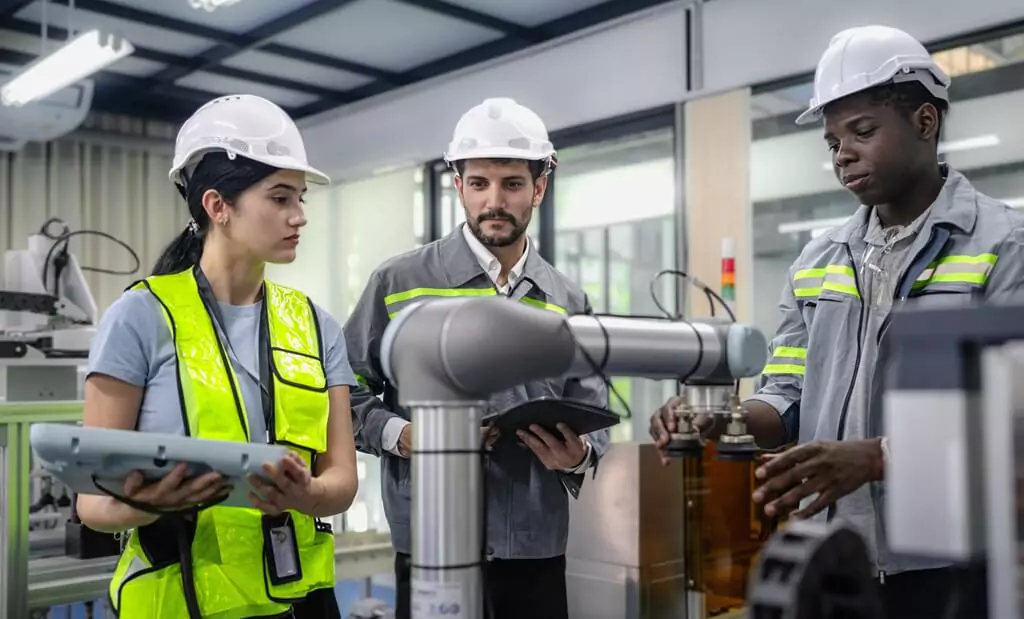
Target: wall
<point x="751" y="41"/>
<point x="626" y="66"/>
<point x="115" y="186"/>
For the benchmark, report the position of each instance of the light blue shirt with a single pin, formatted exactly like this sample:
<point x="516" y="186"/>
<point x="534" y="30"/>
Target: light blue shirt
<point x="133" y="344"/>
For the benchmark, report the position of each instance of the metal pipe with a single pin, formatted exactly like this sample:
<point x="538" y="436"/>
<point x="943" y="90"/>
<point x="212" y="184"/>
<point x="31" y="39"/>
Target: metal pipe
<point x="439" y="356"/>
<point x="447" y="512"/>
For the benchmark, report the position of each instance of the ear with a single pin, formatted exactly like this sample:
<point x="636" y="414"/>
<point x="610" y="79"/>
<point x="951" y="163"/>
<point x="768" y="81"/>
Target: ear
<point x="540" y="187"/>
<point x="215" y="206"/>
<point x="927" y="121"/>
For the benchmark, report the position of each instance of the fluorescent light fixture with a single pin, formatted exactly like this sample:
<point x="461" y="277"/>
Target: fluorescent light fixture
<point x="953" y="146"/>
<point x="79" y="58"/>
<point x="211" y="5"/>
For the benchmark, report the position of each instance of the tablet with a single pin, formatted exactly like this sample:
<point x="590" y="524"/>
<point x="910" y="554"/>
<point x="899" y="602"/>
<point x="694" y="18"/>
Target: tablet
<point x="86" y="459"/>
<point x="581" y="417"/>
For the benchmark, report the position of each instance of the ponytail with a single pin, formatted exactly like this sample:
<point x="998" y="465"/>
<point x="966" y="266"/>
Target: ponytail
<point x="229" y="177"/>
<point x="183" y="253"/>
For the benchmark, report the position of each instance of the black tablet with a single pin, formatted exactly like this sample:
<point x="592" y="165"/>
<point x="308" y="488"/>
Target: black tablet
<point x="581" y="417"/>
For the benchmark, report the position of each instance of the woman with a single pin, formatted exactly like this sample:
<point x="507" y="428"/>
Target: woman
<point x="208" y="348"/>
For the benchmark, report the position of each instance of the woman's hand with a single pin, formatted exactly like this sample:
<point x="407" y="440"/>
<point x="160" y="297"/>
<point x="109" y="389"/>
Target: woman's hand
<point x="174" y="492"/>
<point x="293" y="487"/>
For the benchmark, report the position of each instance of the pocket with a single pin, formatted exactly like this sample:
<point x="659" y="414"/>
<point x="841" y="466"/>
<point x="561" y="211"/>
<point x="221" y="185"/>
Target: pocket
<point x="301" y="403"/>
<point x="945" y="295"/>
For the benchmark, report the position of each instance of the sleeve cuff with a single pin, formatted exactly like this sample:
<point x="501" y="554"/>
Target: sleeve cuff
<point x="585" y="463"/>
<point x="391" y="433"/>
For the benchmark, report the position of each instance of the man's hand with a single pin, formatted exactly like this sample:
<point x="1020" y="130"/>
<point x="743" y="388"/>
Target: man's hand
<point x="664" y="423"/>
<point x="557" y="454"/>
<point x="489" y="434"/>
<point x="830" y="469"/>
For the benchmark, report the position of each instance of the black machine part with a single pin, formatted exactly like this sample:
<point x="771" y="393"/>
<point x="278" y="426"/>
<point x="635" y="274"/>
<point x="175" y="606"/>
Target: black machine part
<point x="812" y="570"/>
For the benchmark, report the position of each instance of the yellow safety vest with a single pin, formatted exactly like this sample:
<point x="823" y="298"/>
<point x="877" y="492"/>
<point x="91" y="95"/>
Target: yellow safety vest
<point x="228" y="558"/>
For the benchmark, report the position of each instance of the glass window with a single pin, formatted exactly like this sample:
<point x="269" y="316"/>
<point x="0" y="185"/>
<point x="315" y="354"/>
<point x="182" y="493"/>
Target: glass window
<point x="343" y="244"/>
<point x="614" y="230"/>
<point x="796" y="197"/>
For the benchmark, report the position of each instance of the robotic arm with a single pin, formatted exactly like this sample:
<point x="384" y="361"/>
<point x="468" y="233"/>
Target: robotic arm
<point x="446" y="360"/>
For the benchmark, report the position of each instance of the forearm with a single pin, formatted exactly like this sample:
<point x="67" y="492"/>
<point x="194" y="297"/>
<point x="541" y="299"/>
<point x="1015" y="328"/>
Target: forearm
<point x="337" y="489"/>
<point x="108" y="515"/>
<point x="369" y="418"/>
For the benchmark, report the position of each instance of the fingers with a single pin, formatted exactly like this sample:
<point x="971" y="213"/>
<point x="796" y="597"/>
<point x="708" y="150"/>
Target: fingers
<point x="822" y="501"/>
<point x="776" y="463"/>
<point x="265" y="506"/>
<point x="132" y="483"/>
<point x="549" y="439"/>
<point x="784" y="480"/>
<point x="296" y="470"/>
<point x="791" y="500"/>
<point x="265" y="491"/>
<point x="277" y="478"/>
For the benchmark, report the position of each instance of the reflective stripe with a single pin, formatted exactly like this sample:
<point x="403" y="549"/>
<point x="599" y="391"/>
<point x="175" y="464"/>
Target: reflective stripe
<point x="808" y="283"/>
<point x="551" y="307"/>
<point x="400" y="298"/>
<point x="361" y="381"/>
<point x="406" y="295"/>
<point x="786" y="360"/>
<point x="958" y="270"/>
<point x="784" y="368"/>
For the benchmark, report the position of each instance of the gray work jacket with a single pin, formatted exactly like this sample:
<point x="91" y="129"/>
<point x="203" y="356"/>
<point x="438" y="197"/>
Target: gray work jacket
<point x="970" y="247"/>
<point x="527" y="505"/>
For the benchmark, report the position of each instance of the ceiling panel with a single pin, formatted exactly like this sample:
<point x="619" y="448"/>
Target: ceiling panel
<point x="296" y="70"/>
<point x="228" y="85"/>
<point x="237" y="18"/>
<point x="155" y="38"/>
<point x="387" y="34"/>
<point x="528" y="12"/>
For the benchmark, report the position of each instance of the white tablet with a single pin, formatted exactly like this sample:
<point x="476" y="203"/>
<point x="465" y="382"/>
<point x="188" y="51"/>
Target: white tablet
<point x="86" y="459"/>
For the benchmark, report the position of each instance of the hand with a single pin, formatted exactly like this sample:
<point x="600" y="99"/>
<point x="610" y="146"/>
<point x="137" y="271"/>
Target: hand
<point x="174" y="492"/>
<point x="664" y="423"/>
<point x="293" y="487"/>
<point x="830" y="469"/>
<point x="405" y="441"/>
<point x="489" y="434"/>
<point x="556" y="454"/>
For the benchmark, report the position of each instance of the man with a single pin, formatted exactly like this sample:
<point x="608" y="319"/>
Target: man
<point x="923" y="235"/>
<point x="502" y="158"/>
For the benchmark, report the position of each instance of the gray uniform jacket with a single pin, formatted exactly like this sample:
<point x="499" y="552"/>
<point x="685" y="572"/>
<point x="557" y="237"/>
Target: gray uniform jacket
<point x="970" y="247"/>
<point x="527" y="505"/>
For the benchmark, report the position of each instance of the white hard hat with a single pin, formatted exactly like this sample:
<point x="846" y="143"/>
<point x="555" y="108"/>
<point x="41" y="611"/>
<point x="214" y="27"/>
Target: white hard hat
<point x="861" y="58"/>
<point x="247" y="126"/>
<point x="500" y="128"/>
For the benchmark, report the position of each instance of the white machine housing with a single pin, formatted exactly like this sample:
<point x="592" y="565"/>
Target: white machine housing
<point x="74" y="326"/>
<point x="45" y="120"/>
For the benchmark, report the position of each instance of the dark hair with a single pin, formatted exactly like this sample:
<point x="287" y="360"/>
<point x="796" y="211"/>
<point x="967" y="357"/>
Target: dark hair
<point x="907" y="98"/>
<point x="537" y="168"/>
<point x="229" y="177"/>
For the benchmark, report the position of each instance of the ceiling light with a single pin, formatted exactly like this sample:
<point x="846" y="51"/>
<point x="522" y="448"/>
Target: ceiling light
<point x="79" y="58"/>
<point x="953" y="146"/>
<point x="211" y="5"/>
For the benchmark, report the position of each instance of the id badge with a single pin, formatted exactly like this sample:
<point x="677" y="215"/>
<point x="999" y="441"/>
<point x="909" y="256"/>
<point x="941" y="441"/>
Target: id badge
<point x="281" y="549"/>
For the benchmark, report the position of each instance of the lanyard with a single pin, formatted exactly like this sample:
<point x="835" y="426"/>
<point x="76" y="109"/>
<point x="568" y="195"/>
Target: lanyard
<point x="263" y="343"/>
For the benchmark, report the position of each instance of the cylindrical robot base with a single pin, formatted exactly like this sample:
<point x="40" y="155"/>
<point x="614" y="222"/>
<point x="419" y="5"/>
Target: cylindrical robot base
<point x="447" y="511"/>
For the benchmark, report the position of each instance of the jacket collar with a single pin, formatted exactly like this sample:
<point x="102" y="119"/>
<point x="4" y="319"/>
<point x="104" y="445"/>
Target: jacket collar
<point x="461" y="265"/>
<point x="956" y="206"/>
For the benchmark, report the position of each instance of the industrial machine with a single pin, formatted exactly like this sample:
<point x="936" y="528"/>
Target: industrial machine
<point x="432" y="352"/>
<point x="954" y="417"/>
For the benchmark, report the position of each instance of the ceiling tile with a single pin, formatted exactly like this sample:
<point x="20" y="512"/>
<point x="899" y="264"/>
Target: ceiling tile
<point x="140" y="34"/>
<point x="262" y="62"/>
<point x="237" y="18"/>
<point x="228" y="86"/>
<point x="529" y="12"/>
<point x="387" y="34"/>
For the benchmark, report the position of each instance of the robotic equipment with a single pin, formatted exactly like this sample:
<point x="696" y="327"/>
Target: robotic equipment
<point x="953" y="402"/>
<point x="432" y="352"/>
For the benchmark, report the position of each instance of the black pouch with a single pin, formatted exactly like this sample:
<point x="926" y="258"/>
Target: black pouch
<point x="281" y="549"/>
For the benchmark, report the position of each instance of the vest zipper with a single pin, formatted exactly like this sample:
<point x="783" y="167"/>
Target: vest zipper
<point x="881" y="577"/>
<point x="856" y="368"/>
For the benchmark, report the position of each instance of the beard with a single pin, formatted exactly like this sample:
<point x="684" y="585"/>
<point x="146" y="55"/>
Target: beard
<point x="498" y="240"/>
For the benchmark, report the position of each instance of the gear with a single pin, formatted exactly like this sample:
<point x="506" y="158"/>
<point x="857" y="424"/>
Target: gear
<point x="812" y="570"/>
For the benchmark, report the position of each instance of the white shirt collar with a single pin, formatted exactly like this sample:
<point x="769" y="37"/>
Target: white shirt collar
<point x="489" y="263"/>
